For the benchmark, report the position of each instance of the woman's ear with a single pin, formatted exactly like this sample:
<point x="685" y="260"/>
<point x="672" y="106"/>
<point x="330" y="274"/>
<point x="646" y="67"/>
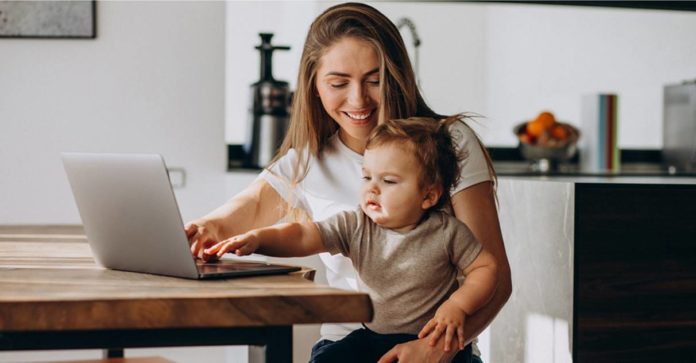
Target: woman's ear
<point x="432" y="195"/>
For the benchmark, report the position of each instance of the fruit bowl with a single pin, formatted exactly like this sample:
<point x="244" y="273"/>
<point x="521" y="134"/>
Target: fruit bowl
<point x="557" y="146"/>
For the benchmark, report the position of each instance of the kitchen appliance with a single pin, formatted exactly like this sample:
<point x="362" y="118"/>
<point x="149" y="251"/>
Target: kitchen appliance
<point x="269" y="111"/>
<point x="679" y="127"/>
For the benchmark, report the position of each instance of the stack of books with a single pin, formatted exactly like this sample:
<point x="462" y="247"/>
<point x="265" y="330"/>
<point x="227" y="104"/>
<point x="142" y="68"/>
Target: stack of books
<point x="599" y="150"/>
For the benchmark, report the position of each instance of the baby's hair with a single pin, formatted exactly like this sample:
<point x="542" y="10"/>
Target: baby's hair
<point x="431" y="143"/>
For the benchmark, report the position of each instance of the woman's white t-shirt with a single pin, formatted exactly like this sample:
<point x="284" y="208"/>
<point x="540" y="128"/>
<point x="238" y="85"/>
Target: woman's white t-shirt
<point x="333" y="184"/>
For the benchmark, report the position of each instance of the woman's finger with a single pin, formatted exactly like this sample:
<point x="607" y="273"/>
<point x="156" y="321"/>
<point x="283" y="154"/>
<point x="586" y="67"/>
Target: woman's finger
<point x="190" y="229"/>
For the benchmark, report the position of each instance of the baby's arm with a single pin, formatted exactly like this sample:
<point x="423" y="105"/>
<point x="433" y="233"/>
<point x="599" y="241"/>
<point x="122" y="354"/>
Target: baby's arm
<point x="479" y="285"/>
<point x="282" y="240"/>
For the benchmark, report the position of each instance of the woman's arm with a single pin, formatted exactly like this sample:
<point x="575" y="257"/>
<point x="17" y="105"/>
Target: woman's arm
<point x="258" y="205"/>
<point x="476" y="207"/>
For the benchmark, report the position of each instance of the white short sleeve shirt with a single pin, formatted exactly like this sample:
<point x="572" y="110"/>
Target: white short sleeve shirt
<point x="332" y="185"/>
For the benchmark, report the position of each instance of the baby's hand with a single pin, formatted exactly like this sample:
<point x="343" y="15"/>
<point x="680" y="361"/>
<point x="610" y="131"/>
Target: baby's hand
<point x="448" y="319"/>
<point x="243" y="244"/>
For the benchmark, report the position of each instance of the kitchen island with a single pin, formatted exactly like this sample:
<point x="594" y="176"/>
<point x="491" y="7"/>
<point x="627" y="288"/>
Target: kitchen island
<point x="603" y="270"/>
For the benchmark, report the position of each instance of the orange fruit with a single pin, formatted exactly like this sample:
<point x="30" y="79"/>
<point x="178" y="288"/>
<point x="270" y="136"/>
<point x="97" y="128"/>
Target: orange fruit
<point x="559" y="132"/>
<point x="546" y="119"/>
<point x="527" y="139"/>
<point x="535" y="128"/>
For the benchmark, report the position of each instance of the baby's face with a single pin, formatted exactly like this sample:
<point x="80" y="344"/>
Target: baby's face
<point x="391" y="194"/>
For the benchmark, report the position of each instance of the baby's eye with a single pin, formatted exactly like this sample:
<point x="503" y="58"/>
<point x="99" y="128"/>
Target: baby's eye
<point x="389" y="181"/>
<point x="366" y="178"/>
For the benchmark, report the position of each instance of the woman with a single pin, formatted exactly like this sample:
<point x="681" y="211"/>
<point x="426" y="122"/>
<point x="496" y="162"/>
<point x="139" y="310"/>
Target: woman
<point x="354" y="72"/>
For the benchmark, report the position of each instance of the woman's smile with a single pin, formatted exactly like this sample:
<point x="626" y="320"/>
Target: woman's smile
<point x="348" y="84"/>
<point x="360" y="118"/>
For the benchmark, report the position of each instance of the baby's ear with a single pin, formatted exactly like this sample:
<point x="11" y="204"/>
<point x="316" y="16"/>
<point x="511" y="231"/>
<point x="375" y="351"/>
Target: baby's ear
<point x="432" y="195"/>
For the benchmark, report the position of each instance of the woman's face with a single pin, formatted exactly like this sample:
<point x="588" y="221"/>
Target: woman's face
<point x="348" y="85"/>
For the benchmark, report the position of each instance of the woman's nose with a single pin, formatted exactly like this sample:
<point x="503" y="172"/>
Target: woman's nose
<point x="357" y="95"/>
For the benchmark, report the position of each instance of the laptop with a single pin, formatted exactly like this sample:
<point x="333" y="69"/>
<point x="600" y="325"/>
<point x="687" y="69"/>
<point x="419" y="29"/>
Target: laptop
<point x="132" y="220"/>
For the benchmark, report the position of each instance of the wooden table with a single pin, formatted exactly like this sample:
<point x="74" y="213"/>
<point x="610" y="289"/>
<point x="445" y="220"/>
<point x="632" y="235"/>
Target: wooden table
<point x="54" y="296"/>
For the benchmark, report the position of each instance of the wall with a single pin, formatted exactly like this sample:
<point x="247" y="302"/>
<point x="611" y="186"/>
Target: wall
<point x="547" y="57"/>
<point x="289" y="22"/>
<point x="506" y="62"/>
<point x="152" y="81"/>
<point x="442" y="27"/>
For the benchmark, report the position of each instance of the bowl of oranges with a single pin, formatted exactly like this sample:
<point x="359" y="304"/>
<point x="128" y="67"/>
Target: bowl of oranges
<point x="546" y="138"/>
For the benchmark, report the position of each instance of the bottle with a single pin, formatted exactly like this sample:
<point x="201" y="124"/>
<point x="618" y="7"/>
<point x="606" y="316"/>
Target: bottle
<point x="269" y="110"/>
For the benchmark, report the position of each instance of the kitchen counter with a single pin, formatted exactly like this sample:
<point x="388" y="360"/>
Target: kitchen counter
<point x="604" y="269"/>
<point x="607" y="179"/>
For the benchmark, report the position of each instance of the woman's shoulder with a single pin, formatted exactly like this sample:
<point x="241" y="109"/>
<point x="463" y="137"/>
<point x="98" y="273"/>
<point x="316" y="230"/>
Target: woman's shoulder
<point x="462" y="133"/>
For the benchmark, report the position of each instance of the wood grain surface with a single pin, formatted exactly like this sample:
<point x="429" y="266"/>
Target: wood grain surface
<point x="49" y="281"/>
<point x="635" y="277"/>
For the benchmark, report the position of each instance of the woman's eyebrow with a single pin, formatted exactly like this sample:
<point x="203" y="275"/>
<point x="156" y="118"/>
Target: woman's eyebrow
<point x="341" y="74"/>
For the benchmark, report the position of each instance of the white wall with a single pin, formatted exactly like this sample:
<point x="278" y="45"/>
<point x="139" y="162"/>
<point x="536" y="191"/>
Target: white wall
<point x="152" y="81"/>
<point x="547" y="57"/>
<point x="506" y="62"/>
<point x="289" y="22"/>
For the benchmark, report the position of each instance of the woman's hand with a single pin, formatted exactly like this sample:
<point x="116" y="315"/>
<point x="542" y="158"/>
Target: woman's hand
<point x="449" y="319"/>
<point x="418" y="351"/>
<point x="201" y="235"/>
<point x="244" y="244"/>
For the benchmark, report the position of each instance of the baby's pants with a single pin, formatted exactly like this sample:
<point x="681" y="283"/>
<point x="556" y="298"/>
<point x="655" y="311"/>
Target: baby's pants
<point x="365" y="345"/>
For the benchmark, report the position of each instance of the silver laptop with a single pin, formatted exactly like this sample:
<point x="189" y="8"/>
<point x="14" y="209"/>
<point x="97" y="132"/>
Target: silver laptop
<point x="132" y="220"/>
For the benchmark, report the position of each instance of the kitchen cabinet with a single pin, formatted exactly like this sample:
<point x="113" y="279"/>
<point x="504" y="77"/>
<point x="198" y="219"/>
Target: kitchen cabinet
<point x="603" y="270"/>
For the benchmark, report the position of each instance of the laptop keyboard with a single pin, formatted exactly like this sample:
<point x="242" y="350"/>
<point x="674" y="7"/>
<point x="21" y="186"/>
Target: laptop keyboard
<point x="224" y="266"/>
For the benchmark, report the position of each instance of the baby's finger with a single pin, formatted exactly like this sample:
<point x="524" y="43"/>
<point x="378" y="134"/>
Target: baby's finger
<point x="220" y="248"/>
<point x="460" y="335"/>
<point x="214" y="248"/>
<point x="244" y="249"/>
<point x="427" y="329"/>
<point x="201" y="245"/>
<point x="448" y="337"/>
<point x="435" y="335"/>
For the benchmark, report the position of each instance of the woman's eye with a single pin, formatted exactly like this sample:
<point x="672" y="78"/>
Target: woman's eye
<point x="338" y="85"/>
<point x="373" y="83"/>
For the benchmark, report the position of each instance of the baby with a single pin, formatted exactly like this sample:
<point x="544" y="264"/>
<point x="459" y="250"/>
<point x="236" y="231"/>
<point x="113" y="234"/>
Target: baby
<point x="407" y="252"/>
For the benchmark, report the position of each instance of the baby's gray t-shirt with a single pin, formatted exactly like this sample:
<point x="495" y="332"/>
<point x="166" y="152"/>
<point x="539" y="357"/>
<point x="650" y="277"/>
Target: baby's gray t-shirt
<point x="408" y="276"/>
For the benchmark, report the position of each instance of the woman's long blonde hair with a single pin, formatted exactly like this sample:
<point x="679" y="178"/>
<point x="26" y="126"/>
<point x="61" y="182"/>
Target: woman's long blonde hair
<point x="310" y="126"/>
